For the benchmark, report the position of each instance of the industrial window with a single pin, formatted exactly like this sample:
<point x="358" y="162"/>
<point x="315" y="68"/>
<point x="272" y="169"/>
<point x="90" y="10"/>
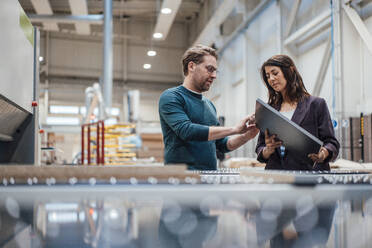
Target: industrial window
<point x="56" y="109"/>
<point x="63" y="121"/>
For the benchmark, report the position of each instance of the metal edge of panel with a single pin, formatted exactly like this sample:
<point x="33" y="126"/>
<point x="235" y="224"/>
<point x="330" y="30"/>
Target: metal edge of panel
<point x="36" y="81"/>
<point x="10" y="102"/>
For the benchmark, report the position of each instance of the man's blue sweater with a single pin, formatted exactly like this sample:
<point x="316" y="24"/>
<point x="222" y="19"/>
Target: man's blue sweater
<point x="185" y="118"/>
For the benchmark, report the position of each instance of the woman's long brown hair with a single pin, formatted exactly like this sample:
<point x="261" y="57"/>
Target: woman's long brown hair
<point x="295" y="88"/>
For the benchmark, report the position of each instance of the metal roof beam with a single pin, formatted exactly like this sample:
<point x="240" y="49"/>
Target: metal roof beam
<point x="323" y="68"/>
<point x="80" y="7"/>
<point x="48" y="19"/>
<point x="359" y="25"/>
<point x="211" y="31"/>
<point x="244" y="25"/>
<point x="123" y="7"/>
<point x="165" y="21"/>
<point x="43" y="7"/>
<point x="292" y="17"/>
<point x="326" y="16"/>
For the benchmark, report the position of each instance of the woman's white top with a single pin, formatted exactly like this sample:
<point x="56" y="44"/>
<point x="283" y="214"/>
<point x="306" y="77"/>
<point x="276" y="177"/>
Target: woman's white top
<point x="288" y="114"/>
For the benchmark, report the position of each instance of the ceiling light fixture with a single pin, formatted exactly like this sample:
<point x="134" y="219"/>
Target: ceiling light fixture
<point x="151" y="53"/>
<point x="166" y="11"/>
<point x="146" y="66"/>
<point x="158" y="35"/>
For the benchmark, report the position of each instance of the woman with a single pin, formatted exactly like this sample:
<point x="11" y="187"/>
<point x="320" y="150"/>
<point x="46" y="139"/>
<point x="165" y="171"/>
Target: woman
<point x="288" y="95"/>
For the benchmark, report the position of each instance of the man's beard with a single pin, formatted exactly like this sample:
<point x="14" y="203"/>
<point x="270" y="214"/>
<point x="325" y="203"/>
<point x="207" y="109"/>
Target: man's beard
<point x="203" y="85"/>
<point x="206" y="85"/>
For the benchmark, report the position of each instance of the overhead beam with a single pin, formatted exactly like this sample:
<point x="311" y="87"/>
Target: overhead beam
<point x="323" y="68"/>
<point x="71" y="84"/>
<point x="315" y="32"/>
<point x="43" y="7"/>
<point x="359" y="26"/>
<point x="131" y="8"/>
<point x="244" y="25"/>
<point x="164" y="21"/>
<point x="326" y="16"/>
<point x="80" y="7"/>
<point x="71" y="34"/>
<point x="292" y="17"/>
<point x="50" y="19"/>
<point x="211" y="31"/>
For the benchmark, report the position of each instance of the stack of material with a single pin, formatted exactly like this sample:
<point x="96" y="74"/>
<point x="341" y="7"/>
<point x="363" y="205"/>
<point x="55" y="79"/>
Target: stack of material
<point x="152" y="146"/>
<point x="343" y="164"/>
<point x="53" y="174"/>
<point x="118" y="147"/>
<point x="352" y="145"/>
<point x="367" y="142"/>
<point x="242" y="162"/>
<point x="357" y="143"/>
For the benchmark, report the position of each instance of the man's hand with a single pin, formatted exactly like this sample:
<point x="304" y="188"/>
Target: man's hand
<point x="245" y="125"/>
<point x="247" y="130"/>
<point x="320" y="157"/>
<point x="252" y="131"/>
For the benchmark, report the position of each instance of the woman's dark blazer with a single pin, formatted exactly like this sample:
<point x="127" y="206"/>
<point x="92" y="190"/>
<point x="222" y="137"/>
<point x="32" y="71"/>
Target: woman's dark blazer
<point x="311" y="114"/>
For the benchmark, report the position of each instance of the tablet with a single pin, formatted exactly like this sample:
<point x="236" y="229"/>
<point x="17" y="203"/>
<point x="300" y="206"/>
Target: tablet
<point x="295" y="139"/>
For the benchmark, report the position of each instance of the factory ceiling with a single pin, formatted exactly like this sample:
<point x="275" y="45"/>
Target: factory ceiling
<point x="54" y="15"/>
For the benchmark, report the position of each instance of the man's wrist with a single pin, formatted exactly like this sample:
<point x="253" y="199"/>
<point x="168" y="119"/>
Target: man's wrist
<point x="245" y="136"/>
<point x="234" y="130"/>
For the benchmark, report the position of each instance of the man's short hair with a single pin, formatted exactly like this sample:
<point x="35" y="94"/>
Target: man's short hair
<point x="196" y="54"/>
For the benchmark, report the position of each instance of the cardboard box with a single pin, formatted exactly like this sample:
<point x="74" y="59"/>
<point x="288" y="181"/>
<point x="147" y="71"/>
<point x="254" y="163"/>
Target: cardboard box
<point x="152" y="137"/>
<point x="143" y="153"/>
<point x="153" y="145"/>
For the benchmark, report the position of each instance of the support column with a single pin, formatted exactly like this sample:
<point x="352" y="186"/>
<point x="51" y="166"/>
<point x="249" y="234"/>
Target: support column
<point x="107" y="54"/>
<point x="338" y="96"/>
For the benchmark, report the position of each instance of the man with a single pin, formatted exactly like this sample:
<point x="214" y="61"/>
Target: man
<point x="188" y="120"/>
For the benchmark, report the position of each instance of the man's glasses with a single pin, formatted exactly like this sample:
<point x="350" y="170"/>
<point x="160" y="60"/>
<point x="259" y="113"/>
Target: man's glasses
<point x="211" y="69"/>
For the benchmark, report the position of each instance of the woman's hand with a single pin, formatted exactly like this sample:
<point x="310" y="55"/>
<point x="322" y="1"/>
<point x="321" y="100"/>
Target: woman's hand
<point x="320" y="157"/>
<point x="271" y="143"/>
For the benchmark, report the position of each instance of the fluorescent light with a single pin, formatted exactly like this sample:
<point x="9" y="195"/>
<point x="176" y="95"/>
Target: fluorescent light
<point x="115" y="111"/>
<point x="151" y="53"/>
<point x="41" y="58"/>
<point x="113" y="214"/>
<point x="158" y="35"/>
<point x="166" y="11"/>
<point x="55" y="109"/>
<point x="62" y="217"/>
<point x="61" y="206"/>
<point x="63" y="121"/>
<point x="146" y="66"/>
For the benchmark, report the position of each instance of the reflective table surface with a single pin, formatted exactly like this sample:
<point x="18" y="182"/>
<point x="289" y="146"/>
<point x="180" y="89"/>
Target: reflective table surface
<point x="170" y="207"/>
<point x="175" y="214"/>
